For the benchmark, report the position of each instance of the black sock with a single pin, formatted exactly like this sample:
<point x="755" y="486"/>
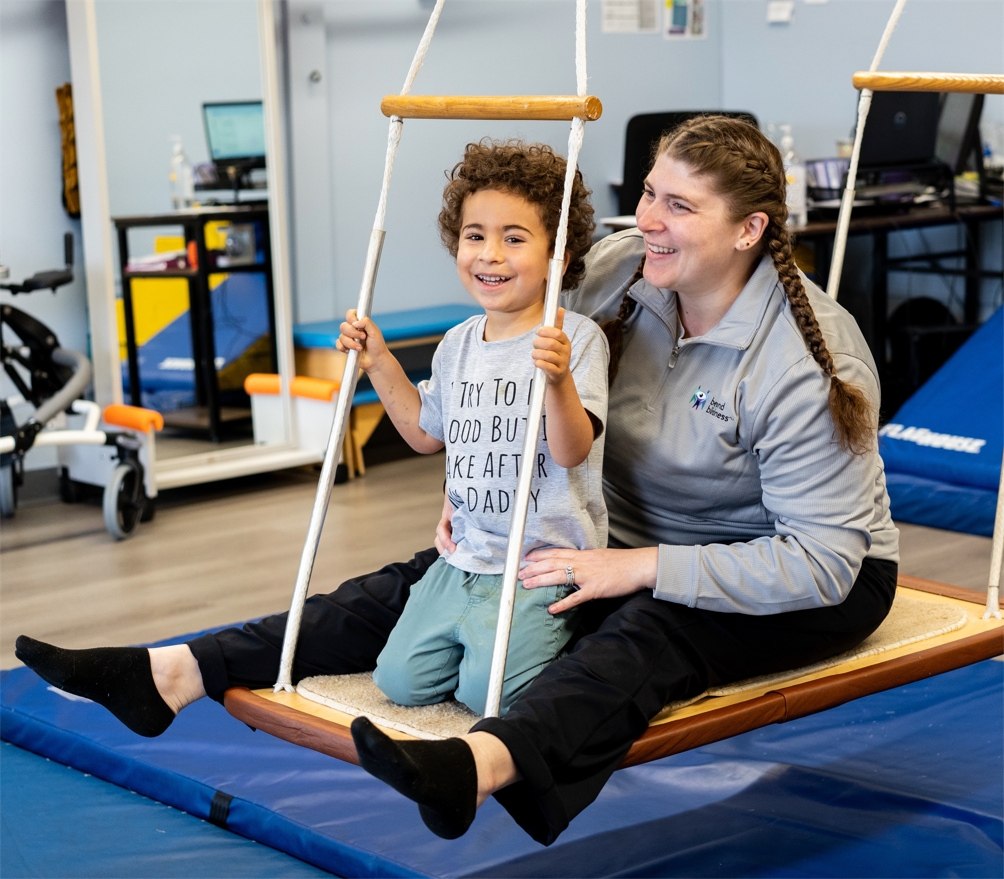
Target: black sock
<point x="117" y="677"/>
<point x="440" y="776"/>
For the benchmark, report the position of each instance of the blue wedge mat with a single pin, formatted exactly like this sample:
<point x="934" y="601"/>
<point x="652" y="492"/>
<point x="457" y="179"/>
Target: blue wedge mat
<point x="903" y="783"/>
<point x="57" y="821"/>
<point x="942" y="449"/>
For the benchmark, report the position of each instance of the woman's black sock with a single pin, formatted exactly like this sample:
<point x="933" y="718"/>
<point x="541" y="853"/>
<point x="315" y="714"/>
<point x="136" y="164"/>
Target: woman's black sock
<point x="440" y="776"/>
<point x="117" y="677"/>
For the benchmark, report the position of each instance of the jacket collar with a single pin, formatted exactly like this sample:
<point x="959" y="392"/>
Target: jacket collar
<point x="739" y="325"/>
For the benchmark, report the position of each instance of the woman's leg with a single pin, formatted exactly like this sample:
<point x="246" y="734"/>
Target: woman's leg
<point x="575" y="723"/>
<point x="341" y="632"/>
<point x="176" y="675"/>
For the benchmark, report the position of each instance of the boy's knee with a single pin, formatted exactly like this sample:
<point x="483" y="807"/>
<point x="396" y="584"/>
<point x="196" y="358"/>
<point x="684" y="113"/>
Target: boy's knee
<point x="399" y="684"/>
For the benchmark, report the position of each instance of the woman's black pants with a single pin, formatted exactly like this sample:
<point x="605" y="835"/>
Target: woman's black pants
<point x="574" y="724"/>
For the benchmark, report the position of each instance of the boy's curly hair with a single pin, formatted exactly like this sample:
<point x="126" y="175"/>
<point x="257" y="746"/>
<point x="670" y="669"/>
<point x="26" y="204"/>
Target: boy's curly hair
<point x="534" y="172"/>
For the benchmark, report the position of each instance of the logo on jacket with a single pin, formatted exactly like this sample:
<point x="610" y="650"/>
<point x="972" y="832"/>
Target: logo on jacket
<point x="699" y="399"/>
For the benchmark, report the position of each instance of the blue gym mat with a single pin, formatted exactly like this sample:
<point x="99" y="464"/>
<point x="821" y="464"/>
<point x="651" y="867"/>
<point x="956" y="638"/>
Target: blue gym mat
<point x="942" y="449"/>
<point x="58" y="821"/>
<point x="903" y="783"/>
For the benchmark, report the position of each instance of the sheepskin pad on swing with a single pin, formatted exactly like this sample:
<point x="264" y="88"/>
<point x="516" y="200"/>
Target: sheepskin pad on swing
<point x="909" y="621"/>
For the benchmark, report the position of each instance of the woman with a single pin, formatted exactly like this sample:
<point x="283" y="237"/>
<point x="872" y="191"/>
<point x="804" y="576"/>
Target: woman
<point x="749" y="521"/>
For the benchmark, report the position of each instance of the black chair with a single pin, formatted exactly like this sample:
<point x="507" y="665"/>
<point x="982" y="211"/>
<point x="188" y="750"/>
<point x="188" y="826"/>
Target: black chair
<point x="643" y="132"/>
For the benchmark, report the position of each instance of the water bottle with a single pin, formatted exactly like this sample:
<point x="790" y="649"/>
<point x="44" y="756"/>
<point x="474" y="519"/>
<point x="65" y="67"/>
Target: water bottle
<point x="794" y="171"/>
<point x="182" y="183"/>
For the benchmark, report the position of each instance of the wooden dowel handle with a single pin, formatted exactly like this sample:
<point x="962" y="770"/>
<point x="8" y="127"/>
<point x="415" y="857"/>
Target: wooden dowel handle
<point x="492" y="107"/>
<point x="971" y="83"/>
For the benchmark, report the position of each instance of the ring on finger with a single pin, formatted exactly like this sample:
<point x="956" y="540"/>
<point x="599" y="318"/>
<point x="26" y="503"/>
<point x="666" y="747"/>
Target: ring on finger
<point x="569" y="576"/>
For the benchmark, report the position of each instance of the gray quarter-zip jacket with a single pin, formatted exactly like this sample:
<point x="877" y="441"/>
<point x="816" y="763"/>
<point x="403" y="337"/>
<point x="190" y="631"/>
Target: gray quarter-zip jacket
<point x="721" y="449"/>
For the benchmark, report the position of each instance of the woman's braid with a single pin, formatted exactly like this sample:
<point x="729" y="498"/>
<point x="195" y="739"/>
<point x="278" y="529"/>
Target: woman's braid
<point x="850" y="409"/>
<point x="614" y="328"/>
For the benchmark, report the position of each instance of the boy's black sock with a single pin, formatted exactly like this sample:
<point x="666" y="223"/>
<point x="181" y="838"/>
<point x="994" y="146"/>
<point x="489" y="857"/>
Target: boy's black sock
<point x="440" y="776"/>
<point x="117" y="677"/>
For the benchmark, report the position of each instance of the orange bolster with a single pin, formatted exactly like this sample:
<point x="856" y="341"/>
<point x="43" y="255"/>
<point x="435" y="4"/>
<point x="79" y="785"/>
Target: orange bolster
<point x="313" y="388"/>
<point x="133" y="417"/>
<point x="302" y="386"/>
<point x="261" y="383"/>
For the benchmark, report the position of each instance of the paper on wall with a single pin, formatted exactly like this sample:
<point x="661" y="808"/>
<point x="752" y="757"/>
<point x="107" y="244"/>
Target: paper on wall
<point x="630" y="16"/>
<point x="684" y="20"/>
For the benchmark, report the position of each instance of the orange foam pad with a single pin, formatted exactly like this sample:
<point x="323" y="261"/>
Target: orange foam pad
<point x="302" y="386"/>
<point x="134" y="417"/>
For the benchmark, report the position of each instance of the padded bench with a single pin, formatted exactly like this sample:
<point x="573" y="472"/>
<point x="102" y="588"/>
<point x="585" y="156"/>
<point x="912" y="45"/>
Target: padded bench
<point x="412" y="334"/>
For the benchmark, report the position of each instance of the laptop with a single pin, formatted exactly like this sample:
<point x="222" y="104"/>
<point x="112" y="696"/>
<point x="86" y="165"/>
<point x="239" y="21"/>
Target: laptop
<point x="902" y="129"/>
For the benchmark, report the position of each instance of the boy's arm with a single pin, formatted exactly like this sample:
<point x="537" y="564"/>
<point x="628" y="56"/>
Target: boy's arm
<point x="399" y="396"/>
<point x="570" y="428"/>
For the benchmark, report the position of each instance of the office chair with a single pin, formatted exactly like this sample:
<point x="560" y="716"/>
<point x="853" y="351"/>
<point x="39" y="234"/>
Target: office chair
<point x="643" y="132"/>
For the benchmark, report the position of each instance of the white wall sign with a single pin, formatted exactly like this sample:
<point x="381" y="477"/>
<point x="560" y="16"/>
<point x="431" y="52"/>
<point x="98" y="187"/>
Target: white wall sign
<point x="780" y="11"/>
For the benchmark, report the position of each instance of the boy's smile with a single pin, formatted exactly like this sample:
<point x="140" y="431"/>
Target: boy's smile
<point x="502" y="260"/>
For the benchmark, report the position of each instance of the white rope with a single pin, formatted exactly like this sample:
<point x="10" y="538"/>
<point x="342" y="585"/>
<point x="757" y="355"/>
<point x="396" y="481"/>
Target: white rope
<point x="517" y="522"/>
<point x="580" y="48"/>
<point x="996" y="554"/>
<point x="423" y="47"/>
<point x="336" y="438"/>
<point x="393" y="141"/>
<point x="847" y="202"/>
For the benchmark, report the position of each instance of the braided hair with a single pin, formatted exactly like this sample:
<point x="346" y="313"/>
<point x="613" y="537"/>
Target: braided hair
<point x="614" y="329"/>
<point x="748" y="170"/>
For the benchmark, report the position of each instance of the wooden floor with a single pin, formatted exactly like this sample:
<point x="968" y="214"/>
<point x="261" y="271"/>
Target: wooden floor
<point x="229" y="551"/>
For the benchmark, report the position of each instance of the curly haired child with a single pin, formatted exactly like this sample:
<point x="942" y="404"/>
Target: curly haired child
<point x="499" y="219"/>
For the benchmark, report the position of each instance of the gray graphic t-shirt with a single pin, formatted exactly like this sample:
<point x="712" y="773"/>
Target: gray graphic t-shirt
<point x="476" y="402"/>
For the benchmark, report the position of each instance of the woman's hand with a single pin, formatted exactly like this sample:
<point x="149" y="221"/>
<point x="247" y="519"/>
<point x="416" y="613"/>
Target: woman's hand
<point x="444" y="530"/>
<point x="363" y="336"/>
<point x="599" y="573"/>
<point x="552" y="352"/>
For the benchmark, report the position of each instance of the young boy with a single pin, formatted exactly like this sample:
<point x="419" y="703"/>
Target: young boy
<point x="499" y="220"/>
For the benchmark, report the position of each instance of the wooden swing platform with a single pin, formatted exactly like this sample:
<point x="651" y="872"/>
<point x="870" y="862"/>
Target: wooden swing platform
<point x="312" y="725"/>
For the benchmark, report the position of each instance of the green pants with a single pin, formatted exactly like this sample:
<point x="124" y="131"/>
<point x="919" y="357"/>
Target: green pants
<point x="443" y="642"/>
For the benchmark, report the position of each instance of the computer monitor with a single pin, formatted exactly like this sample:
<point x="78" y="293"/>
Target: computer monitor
<point x="902" y="129"/>
<point x="959" y="131"/>
<point x="235" y="133"/>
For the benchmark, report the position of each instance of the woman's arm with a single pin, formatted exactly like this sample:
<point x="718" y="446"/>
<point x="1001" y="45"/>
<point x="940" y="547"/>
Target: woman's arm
<point x="399" y="396"/>
<point x="570" y="430"/>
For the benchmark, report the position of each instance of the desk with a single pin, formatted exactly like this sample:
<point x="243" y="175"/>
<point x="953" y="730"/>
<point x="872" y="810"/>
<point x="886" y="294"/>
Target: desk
<point x="820" y="235"/>
<point x="208" y="414"/>
<point x="971" y="217"/>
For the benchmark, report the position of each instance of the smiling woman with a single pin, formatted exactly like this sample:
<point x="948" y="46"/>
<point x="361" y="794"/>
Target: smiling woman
<point x="749" y="525"/>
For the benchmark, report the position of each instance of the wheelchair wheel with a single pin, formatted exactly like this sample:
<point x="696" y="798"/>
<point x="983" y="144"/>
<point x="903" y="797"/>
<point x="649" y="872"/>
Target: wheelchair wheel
<point x="8" y="491"/>
<point x="123" y="502"/>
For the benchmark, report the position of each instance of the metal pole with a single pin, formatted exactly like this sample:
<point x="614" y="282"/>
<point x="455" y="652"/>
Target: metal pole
<point x="517" y="523"/>
<point x="327" y="480"/>
<point x="996" y="554"/>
